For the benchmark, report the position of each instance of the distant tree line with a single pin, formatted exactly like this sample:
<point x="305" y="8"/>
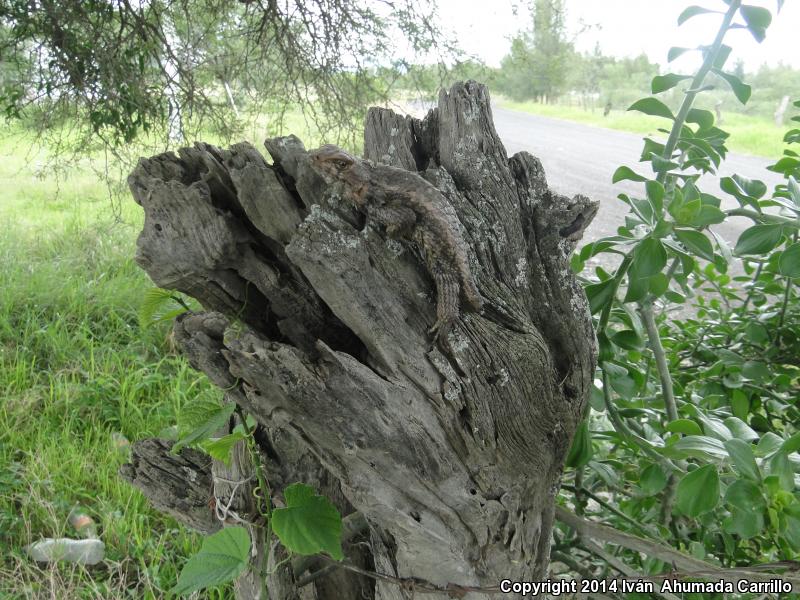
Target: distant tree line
<point x="543" y="65"/>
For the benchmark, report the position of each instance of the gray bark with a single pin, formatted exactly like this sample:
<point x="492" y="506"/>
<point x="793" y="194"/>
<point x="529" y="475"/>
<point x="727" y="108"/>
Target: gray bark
<point x="317" y="326"/>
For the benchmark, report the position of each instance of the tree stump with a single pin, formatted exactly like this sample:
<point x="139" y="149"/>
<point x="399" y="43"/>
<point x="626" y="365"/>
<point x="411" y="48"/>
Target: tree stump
<point x="317" y="326"/>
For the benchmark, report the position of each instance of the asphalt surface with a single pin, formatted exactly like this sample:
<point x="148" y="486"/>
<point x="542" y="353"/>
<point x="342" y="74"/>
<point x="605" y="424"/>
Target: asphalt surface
<point x="581" y="159"/>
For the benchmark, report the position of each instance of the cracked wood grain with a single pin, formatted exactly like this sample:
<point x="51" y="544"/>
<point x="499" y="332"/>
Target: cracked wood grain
<point x="316" y="323"/>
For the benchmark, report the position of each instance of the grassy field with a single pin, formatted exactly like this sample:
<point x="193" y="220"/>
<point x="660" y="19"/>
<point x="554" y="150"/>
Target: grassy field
<point x="749" y="135"/>
<point x="76" y="370"/>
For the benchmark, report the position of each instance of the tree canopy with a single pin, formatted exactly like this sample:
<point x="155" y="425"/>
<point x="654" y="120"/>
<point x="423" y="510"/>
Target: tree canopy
<point x="128" y="67"/>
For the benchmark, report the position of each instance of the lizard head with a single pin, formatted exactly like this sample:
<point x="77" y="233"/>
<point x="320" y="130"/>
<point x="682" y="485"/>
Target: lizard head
<point x="575" y="216"/>
<point x="333" y="163"/>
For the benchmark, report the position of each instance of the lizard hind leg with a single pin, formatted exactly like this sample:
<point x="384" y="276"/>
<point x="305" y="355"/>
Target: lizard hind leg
<point x="471" y="294"/>
<point x="447" y="306"/>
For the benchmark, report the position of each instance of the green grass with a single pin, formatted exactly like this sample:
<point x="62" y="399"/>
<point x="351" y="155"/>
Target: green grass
<point x="75" y="370"/>
<point x="749" y="135"/>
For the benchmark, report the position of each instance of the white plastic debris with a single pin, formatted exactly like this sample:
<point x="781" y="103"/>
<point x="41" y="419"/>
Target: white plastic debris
<point x="84" y="552"/>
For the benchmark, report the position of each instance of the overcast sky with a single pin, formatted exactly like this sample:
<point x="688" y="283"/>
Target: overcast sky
<point x="626" y="28"/>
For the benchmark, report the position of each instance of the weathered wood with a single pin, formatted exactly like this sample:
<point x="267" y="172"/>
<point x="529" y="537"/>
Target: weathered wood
<point x="454" y="460"/>
<point x="176" y="484"/>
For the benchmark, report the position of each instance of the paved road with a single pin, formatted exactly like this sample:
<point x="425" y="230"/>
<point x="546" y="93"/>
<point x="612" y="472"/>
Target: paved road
<point x="579" y="158"/>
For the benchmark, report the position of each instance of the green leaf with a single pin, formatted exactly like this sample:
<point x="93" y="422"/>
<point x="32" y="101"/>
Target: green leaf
<point x="599" y="294"/>
<point x="605" y="351"/>
<point x="684" y="212"/>
<point x="658" y="284"/>
<point x="693" y="11"/>
<point x="623" y="173"/>
<point x="662" y="164"/>
<point x="759" y="239"/>
<point x="674" y="297"/>
<point x="628" y="339"/>
<point x="201" y="419"/>
<point x="745" y="190"/>
<point x="708" y="215"/>
<point x="697" y="446"/>
<point x="785" y="165"/>
<point x="714" y="427"/>
<point x="757" y="333"/>
<point x="655" y="193"/>
<point x="675" y="52"/>
<point x="222" y="558"/>
<point x="791" y="530"/>
<point x="792" y="136"/>
<point x="684" y="426"/>
<point x="652" y="480"/>
<point x="698" y="491"/>
<point x="748" y="504"/>
<point x="662" y="83"/>
<point x="722" y="56"/>
<point x="581" y="451"/>
<point x="757" y="19"/>
<point x="789" y="263"/>
<point x="309" y="524"/>
<point x="703" y="118"/>
<point x="605" y="472"/>
<point x="780" y="465"/>
<point x="650" y="258"/>
<point x="745" y="495"/>
<point x="637" y="288"/>
<point x="745" y="524"/>
<point x="739" y="428"/>
<point x="220" y="449"/>
<point x="741" y="90"/>
<point x="794" y="190"/>
<point x="768" y="444"/>
<point x="158" y="305"/>
<point x="742" y="458"/>
<point x="696" y="243"/>
<point x="792" y="444"/>
<point x="651" y="106"/>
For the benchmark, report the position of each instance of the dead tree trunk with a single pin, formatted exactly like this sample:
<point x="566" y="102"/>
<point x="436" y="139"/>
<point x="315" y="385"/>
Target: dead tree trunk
<point x="318" y="327"/>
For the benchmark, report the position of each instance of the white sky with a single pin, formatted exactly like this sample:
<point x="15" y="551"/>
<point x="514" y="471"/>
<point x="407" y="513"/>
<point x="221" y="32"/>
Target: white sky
<point x="626" y="28"/>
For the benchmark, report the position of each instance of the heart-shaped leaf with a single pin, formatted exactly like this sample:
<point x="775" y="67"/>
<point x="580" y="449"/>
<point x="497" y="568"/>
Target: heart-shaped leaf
<point x="222" y="558"/>
<point x="309" y="524"/>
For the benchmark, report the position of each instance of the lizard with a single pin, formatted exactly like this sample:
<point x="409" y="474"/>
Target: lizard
<point x="409" y="208"/>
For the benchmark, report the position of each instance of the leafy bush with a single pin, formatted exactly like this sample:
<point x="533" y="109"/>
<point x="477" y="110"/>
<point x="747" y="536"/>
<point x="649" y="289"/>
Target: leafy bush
<point x="693" y="432"/>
